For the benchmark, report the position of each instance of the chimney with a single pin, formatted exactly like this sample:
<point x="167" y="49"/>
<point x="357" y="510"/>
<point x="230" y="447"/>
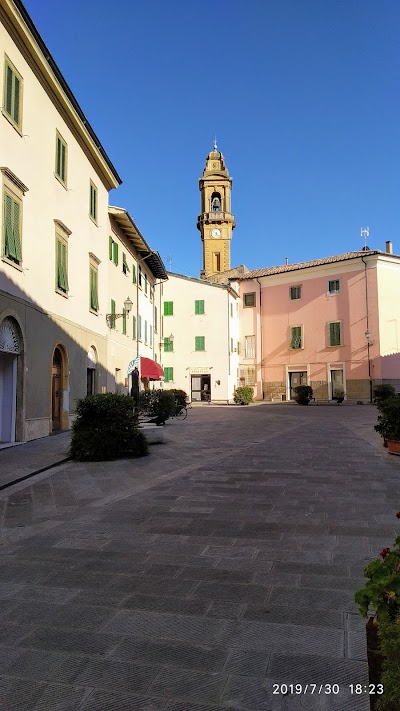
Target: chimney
<point x="286" y="261"/>
<point x="389" y="247"/>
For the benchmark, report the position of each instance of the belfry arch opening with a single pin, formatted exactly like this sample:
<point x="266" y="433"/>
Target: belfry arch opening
<point x="216" y="202"/>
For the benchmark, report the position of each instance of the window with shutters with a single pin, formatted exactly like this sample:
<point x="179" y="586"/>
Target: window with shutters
<point x="168" y="345"/>
<point x="61" y="159"/>
<point x="134" y="327"/>
<point x="249" y="299"/>
<point x="133" y="274"/>
<point x="140" y="276"/>
<point x="145" y="331"/>
<point x="333" y="286"/>
<point x="249" y="346"/>
<point x="61" y="264"/>
<point x="151" y="335"/>
<point x="146" y="284"/>
<point x="231" y="310"/>
<point x="168" y="375"/>
<point x="12" y="223"/>
<point x="295" y="292"/>
<point x="296" y="337"/>
<point x="155" y="319"/>
<point x="124" y="322"/>
<point x="113" y="250"/>
<point x="335" y="333"/>
<point x="151" y="294"/>
<point x="12" y="97"/>
<point x="93" y="202"/>
<point x="168" y="308"/>
<point x="125" y="267"/>
<point x="199" y="307"/>
<point x="93" y="285"/>
<point x="231" y="345"/>
<point x="139" y="328"/>
<point x="199" y="343"/>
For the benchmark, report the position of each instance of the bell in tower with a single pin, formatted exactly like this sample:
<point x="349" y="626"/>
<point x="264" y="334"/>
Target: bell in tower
<point x="216" y="221"/>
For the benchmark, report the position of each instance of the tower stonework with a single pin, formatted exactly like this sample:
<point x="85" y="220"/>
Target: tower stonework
<point x="215" y="221"/>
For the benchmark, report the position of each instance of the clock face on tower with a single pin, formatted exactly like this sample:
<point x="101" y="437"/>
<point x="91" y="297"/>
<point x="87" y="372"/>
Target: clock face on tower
<point x="216" y="233"/>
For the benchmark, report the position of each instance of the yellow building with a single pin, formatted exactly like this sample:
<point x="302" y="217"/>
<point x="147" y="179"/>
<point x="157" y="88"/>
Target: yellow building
<point x="216" y="221"/>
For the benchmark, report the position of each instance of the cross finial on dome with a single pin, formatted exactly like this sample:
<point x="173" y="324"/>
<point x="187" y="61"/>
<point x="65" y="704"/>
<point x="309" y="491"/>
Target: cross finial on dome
<point x="215" y="143"/>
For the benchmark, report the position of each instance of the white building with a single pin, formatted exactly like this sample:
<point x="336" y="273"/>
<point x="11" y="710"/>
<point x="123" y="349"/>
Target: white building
<point x="57" y="275"/>
<point x="199" y="337"/>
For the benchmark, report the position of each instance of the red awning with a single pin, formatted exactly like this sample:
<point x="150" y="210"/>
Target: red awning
<point x="150" y="369"/>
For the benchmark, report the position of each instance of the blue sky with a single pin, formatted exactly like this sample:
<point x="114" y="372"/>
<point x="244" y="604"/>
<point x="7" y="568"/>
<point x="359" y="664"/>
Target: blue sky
<point x="303" y="96"/>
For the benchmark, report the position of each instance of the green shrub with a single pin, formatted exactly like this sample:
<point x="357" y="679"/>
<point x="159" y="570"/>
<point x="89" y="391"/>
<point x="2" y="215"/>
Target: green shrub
<point x="389" y="419"/>
<point x="303" y="394"/>
<point x="381" y="596"/>
<point x="180" y="396"/>
<point x="106" y="428"/>
<point x="159" y="404"/>
<point x="243" y="395"/>
<point x="383" y="392"/>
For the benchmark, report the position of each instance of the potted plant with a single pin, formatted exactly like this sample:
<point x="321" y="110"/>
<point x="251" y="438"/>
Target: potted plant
<point x="379" y="603"/>
<point x="339" y="395"/>
<point x="383" y="392"/>
<point x="303" y="394"/>
<point x="389" y="423"/>
<point x="243" y="395"/>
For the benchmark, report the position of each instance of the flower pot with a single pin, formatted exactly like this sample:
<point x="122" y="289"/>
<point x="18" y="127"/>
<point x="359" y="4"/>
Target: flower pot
<point x="393" y="447"/>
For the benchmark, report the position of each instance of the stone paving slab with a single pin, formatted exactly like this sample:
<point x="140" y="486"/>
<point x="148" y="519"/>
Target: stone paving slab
<point x="198" y="577"/>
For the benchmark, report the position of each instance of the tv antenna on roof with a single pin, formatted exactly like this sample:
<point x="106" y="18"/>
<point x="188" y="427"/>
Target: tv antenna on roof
<point x="364" y="233"/>
<point x="169" y="260"/>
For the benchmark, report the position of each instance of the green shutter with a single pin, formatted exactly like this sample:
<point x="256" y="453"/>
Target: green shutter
<point x="199" y="343"/>
<point x="112" y="313"/>
<point x="145" y="283"/>
<point x="115" y="253"/>
<point x="58" y="157"/>
<point x="125" y="267"/>
<point x="17" y="85"/>
<point x="62" y="273"/>
<point x="133" y="274"/>
<point x="151" y="335"/>
<point x="231" y="345"/>
<point x="64" y="265"/>
<point x="133" y="326"/>
<point x="9" y="246"/>
<point x="199" y="307"/>
<point x="238" y="347"/>
<point x="334" y="334"/>
<point x="139" y="327"/>
<point x="110" y="248"/>
<point x="168" y="308"/>
<point x="94" y="296"/>
<point x="168" y="345"/>
<point x="124" y="322"/>
<point x="296" y="340"/>
<point x="63" y="153"/>
<point x="168" y="374"/>
<point x="9" y="90"/>
<point x="16" y="231"/>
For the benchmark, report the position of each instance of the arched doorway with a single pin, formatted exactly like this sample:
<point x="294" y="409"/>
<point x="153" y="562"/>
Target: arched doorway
<point x="91" y="371"/>
<point x="56" y="389"/>
<point x="10" y="349"/>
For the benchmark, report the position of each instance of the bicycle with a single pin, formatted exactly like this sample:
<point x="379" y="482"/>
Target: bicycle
<point x="180" y="412"/>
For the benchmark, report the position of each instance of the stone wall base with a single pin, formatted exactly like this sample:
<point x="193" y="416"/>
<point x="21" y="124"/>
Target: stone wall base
<point x="36" y="428"/>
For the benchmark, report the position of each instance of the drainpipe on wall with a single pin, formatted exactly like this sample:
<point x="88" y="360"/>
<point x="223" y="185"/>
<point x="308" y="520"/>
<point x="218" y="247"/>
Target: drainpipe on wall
<point x="261" y="341"/>
<point x="367" y="331"/>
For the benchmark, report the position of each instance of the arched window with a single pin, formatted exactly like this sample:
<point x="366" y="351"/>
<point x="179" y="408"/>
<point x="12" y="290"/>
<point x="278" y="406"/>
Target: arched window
<point x="216" y="202"/>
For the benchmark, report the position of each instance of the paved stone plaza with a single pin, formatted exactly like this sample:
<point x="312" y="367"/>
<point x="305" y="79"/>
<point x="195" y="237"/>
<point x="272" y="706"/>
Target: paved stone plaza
<point x="198" y="577"/>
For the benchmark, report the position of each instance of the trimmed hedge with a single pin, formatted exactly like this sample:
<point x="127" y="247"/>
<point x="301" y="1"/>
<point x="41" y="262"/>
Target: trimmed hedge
<point x="303" y="394"/>
<point x="106" y="428"/>
<point x="159" y="404"/>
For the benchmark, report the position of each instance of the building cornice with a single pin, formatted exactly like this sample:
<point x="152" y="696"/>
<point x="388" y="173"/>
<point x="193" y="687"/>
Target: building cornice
<point x="23" y="31"/>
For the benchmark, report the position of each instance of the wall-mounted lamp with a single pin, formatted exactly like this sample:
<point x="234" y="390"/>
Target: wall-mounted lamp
<point x="128" y="308"/>
<point x="368" y="336"/>
<point x="218" y="382"/>
<point x="169" y="338"/>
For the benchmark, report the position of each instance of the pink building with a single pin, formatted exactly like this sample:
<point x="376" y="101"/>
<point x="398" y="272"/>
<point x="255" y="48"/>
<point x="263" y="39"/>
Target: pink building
<point x="332" y="323"/>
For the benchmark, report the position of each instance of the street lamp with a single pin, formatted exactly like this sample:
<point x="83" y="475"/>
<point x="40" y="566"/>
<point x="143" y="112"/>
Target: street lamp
<point x="127" y="309"/>
<point x="169" y="338"/>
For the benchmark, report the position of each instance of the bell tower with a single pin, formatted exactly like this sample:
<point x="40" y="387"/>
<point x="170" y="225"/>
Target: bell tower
<point x="216" y="221"/>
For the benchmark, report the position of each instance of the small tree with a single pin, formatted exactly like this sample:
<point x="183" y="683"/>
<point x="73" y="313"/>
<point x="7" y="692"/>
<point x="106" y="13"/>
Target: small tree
<point x="303" y="394"/>
<point x="106" y="428"/>
<point x="389" y="419"/>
